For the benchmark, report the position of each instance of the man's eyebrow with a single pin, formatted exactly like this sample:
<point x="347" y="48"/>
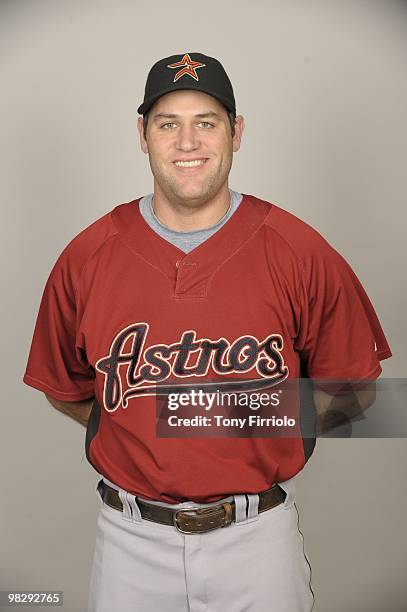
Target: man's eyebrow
<point x="174" y="116"/>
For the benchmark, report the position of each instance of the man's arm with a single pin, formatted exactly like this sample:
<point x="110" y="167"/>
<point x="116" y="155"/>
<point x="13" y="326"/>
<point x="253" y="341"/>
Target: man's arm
<point x="79" y="411"/>
<point x="335" y="410"/>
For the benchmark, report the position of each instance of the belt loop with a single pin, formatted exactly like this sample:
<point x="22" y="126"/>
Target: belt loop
<point x="126" y="514"/>
<point x="289" y="487"/>
<point x="132" y="499"/>
<point x="240" y="508"/>
<point x="253" y="508"/>
<point x="99" y="490"/>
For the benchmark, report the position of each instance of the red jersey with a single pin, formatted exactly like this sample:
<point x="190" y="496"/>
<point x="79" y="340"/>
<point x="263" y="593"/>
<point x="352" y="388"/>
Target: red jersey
<point x="124" y="310"/>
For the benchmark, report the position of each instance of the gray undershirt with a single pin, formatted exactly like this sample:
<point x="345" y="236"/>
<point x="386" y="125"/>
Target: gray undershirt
<point x="186" y="241"/>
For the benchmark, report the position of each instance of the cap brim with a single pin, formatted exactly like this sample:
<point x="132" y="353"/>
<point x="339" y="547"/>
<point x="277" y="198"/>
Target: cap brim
<point x="147" y="104"/>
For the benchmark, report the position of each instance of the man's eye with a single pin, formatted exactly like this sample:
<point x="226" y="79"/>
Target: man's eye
<point x="205" y="124"/>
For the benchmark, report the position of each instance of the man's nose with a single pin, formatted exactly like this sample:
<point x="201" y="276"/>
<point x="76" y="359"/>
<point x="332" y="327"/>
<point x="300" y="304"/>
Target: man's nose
<point x="188" y="138"/>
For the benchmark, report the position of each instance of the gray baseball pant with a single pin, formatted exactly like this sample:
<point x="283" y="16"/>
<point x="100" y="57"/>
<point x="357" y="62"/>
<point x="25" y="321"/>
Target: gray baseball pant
<point x="257" y="564"/>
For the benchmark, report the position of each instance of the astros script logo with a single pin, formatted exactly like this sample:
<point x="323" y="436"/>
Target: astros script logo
<point x="144" y="369"/>
<point x="188" y="66"/>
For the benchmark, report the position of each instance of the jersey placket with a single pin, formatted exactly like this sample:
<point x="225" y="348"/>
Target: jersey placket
<point x="188" y="282"/>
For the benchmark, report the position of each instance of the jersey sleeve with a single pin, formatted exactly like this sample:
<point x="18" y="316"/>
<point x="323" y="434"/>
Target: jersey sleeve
<point x="57" y="362"/>
<point x="341" y="338"/>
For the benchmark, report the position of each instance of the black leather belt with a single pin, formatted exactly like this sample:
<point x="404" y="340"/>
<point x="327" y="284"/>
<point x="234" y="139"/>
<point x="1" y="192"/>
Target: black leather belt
<point x="194" y="519"/>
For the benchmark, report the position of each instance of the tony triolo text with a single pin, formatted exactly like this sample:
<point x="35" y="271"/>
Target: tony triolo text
<point x="253" y="420"/>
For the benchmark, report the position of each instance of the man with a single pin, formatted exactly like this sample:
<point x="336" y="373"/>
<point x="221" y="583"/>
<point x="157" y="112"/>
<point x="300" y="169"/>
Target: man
<point x="196" y="292"/>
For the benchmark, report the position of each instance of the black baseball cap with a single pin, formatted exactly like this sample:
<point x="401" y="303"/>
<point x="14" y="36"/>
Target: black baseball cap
<point x="188" y="71"/>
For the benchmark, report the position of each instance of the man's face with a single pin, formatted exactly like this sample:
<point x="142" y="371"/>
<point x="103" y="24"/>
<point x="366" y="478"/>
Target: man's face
<point x="189" y="126"/>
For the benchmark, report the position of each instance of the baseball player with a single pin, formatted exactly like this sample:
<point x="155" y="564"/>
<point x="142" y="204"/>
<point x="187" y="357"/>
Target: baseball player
<point x="196" y="291"/>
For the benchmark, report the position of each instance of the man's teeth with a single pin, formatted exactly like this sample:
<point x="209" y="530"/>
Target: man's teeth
<point x="187" y="164"/>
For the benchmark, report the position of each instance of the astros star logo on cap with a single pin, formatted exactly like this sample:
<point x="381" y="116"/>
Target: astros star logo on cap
<point x="189" y="67"/>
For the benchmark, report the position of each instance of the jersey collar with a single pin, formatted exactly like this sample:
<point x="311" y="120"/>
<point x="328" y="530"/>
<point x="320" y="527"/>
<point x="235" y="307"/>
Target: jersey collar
<point x="190" y="273"/>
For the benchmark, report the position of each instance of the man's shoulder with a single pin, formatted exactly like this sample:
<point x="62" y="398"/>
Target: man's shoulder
<point x="298" y="235"/>
<point x="88" y="242"/>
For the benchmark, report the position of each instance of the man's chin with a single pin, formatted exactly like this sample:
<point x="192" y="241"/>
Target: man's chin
<point x="192" y="196"/>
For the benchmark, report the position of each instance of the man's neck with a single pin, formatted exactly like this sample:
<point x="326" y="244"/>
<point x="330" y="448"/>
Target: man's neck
<point x="183" y="217"/>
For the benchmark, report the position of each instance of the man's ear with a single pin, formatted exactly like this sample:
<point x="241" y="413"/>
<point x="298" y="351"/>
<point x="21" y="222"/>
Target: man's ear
<point x="239" y="127"/>
<point x="143" y="141"/>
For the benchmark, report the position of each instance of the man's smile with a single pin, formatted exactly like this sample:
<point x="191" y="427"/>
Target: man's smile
<point x="190" y="166"/>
